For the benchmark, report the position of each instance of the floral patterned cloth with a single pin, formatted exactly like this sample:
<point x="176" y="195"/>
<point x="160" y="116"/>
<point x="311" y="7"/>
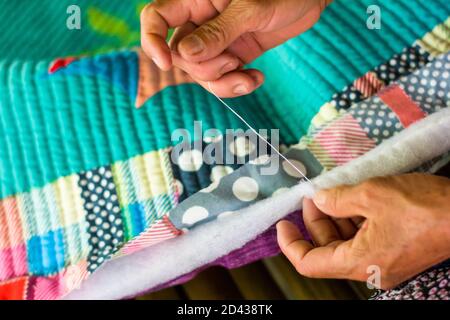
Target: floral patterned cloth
<point x="431" y="285"/>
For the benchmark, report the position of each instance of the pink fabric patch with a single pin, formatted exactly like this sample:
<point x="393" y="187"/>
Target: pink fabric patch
<point x="11" y="232"/>
<point x="404" y="107"/>
<point x="13" y="262"/>
<point x="47" y="288"/>
<point x="344" y="140"/>
<point x="160" y="231"/>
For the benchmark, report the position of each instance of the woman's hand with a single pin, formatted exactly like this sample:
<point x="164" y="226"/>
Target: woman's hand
<point x="215" y="38"/>
<point x="400" y="224"/>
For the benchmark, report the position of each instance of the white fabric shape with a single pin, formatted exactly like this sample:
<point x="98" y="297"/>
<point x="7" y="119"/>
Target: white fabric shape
<point x="194" y="214"/>
<point x="219" y="171"/>
<point x="287" y="167"/>
<point x="245" y="189"/>
<point x="260" y="160"/>
<point x="190" y="160"/>
<point x="242" y="146"/>
<point x="421" y="142"/>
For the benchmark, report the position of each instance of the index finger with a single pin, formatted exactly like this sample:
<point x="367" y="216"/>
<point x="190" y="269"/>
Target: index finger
<point x="343" y="201"/>
<point x="292" y="243"/>
<point x="331" y="261"/>
<point x="159" y="16"/>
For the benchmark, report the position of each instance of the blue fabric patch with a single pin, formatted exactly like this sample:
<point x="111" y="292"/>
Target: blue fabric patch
<point x="45" y="253"/>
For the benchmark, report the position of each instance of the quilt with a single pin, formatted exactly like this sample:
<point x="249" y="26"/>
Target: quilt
<point x="86" y="165"/>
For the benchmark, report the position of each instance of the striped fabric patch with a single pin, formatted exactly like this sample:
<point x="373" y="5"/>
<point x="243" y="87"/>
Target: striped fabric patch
<point x="73" y="275"/>
<point x="341" y="141"/>
<point x="159" y="231"/>
<point x="46" y="253"/>
<point x="47" y="288"/>
<point x="437" y="41"/>
<point x="11" y="232"/>
<point x="142" y="177"/>
<point x="140" y="215"/>
<point x="369" y="84"/>
<point x="13" y="262"/>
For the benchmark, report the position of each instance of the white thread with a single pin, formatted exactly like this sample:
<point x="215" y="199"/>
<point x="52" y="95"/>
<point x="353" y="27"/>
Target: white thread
<point x="259" y="135"/>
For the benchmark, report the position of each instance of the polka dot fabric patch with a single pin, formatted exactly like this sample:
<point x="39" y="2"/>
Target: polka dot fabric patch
<point x="377" y="120"/>
<point x="409" y="60"/>
<point x="346" y="98"/>
<point x="259" y="179"/>
<point x="429" y="87"/>
<point x="103" y="214"/>
<point x="223" y="155"/>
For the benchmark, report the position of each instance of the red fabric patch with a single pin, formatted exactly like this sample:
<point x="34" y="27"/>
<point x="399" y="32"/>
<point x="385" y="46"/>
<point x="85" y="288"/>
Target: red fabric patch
<point x="404" y="107"/>
<point x="14" y="289"/>
<point x="60" y="63"/>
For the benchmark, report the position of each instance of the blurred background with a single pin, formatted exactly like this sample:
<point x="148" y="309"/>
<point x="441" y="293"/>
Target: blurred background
<point x="40" y="31"/>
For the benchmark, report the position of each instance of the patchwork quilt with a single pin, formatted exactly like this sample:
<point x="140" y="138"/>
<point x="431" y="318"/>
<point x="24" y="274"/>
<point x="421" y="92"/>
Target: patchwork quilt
<point x="86" y="167"/>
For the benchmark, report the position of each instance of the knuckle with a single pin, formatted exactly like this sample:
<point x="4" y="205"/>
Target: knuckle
<point x="332" y="201"/>
<point x="215" y="32"/>
<point x="145" y="11"/>
<point x="367" y="191"/>
<point x="201" y="73"/>
<point x="373" y="192"/>
<point x="358" y="253"/>
<point x="249" y="9"/>
<point x="255" y="4"/>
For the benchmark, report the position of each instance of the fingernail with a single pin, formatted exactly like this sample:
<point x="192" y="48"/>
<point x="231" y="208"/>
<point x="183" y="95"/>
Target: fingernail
<point x="240" y="89"/>
<point x="156" y="61"/>
<point x="227" y="67"/>
<point x="257" y="80"/>
<point x="320" y="198"/>
<point x="192" y="45"/>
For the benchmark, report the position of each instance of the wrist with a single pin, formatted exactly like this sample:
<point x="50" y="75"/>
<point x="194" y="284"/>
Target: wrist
<point x="445" y="216"/>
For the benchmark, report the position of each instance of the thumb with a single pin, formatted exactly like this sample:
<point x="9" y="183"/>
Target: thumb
<point x="213" y="37"/>
<point x="340" y="202"/>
